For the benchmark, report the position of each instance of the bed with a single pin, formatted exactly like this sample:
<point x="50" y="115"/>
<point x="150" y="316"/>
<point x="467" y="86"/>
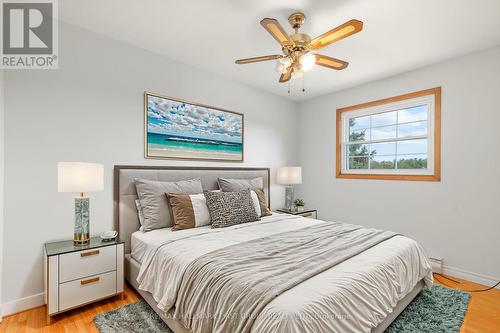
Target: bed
<point x="363" y="293"/>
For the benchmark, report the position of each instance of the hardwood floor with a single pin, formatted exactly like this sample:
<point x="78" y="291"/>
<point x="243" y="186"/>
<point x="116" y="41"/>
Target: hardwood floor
<point x="74" y="321"/>
<point x="483" y="315"/>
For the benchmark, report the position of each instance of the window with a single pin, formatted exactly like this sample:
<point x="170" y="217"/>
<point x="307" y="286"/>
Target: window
<point x="396" y="138"/>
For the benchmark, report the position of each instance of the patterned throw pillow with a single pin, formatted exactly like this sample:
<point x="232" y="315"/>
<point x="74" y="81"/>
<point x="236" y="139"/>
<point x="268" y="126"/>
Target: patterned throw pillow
<point x="255" y="184"/>
<point x="230" y="208"/>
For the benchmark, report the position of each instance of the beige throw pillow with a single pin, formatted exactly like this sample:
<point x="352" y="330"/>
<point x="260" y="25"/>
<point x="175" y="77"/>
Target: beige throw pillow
<point x="188" y="210"/>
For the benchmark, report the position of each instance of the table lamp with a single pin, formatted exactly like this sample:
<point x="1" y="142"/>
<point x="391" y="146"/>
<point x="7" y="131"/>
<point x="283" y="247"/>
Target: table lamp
<point x="289" y="176"/>
<point x="80" y="177"/>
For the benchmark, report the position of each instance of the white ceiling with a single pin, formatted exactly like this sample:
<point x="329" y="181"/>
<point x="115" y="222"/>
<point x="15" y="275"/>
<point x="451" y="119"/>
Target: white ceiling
<point x="398" y="35"/>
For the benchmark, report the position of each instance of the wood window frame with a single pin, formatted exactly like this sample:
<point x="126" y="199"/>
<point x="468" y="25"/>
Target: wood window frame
<point x="434" y="177"/>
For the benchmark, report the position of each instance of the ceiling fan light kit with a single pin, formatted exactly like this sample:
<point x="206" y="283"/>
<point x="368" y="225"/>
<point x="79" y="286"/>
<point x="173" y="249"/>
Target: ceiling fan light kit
<point x="307" y="61"/>
<point x="297" y="57"/>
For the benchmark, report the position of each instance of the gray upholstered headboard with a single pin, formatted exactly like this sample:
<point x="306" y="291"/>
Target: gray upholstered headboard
<point x="126" y="220"/>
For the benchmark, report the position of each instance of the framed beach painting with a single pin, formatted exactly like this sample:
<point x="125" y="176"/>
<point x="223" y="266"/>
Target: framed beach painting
<point x="180" y="129"/>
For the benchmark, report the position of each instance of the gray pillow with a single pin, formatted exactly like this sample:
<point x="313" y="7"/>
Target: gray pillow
<point x="236" y="185"/>
<point x="154" y="203"/>
<point x="230" y="208"/>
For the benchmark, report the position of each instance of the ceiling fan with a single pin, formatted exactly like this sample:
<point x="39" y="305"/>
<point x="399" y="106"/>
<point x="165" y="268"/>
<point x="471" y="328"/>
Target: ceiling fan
<point x="297" y="57"/>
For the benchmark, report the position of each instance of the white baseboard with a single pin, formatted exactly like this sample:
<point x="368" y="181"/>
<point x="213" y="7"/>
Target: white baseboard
<point x="22" y="304"/>
<point x="470" y="276"/>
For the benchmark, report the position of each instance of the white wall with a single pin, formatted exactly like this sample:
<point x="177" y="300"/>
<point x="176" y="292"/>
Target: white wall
<point x="91" y="109"/>
<point x="458" y="218"/>
<point x="2" y="130"/>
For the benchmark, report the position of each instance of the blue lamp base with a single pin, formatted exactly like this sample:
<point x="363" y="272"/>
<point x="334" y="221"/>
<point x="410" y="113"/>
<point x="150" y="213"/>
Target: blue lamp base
<point x="81" y="235"/>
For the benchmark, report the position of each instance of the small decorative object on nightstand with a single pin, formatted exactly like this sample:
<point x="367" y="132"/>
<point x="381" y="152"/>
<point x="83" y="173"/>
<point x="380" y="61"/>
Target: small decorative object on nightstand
<point x="299" y="204"/>
<point x="79" y="178"/>
<point x="76" y="275"/>
<point x="289" y="176"/>
<point x="311" y="213"/>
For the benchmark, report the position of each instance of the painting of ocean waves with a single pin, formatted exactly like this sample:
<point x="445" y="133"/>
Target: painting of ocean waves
<point x="183" y="130"/>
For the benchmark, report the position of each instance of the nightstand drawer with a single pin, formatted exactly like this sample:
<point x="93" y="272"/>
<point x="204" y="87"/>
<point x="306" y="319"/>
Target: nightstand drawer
<point x="81" y="264"/>
<point x="86" y="290"/>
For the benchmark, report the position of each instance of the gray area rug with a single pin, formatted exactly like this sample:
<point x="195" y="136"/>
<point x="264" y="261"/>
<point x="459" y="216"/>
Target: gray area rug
<point x="435" y="310"/>
<point x="137" y="317"/>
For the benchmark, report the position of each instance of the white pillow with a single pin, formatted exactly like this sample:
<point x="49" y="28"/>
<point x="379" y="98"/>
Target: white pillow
<point x="200" y="209"/>
<point x="256" y="204"/>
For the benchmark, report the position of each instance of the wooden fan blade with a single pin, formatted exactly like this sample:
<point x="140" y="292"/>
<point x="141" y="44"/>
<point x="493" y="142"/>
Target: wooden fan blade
<point x="257" y="59"/>
<point x="277" y="31"/>
<point x="287" y="75"/>
<point x="342" y="31"/>
<point x="330" y="62"/>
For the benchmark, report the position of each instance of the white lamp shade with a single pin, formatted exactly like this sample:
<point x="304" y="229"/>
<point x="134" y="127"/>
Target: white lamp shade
<point x="80" y="177"/>
<point x="289" y="175"/>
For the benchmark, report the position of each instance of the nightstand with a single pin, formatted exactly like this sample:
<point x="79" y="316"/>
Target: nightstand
<point x="77" y="275"/>
<point x="311" y="213"/>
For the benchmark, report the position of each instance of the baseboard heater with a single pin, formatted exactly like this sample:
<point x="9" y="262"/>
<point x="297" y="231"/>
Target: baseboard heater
<point x="436" y="265"/>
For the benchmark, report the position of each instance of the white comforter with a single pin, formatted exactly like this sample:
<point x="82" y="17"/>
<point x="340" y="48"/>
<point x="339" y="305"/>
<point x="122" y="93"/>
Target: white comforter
<point x="354" y="296"/>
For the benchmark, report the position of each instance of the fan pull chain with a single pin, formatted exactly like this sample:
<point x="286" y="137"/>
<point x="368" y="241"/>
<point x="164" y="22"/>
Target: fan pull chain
<point x="303" y="85"/>
<point x="288" y="87"/>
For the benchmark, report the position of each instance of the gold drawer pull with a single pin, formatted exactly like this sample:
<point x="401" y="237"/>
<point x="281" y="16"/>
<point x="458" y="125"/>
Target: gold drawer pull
<point x="307" y="214"/>
<point x="90" y="253"/>
<point x="83" y="282"/>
